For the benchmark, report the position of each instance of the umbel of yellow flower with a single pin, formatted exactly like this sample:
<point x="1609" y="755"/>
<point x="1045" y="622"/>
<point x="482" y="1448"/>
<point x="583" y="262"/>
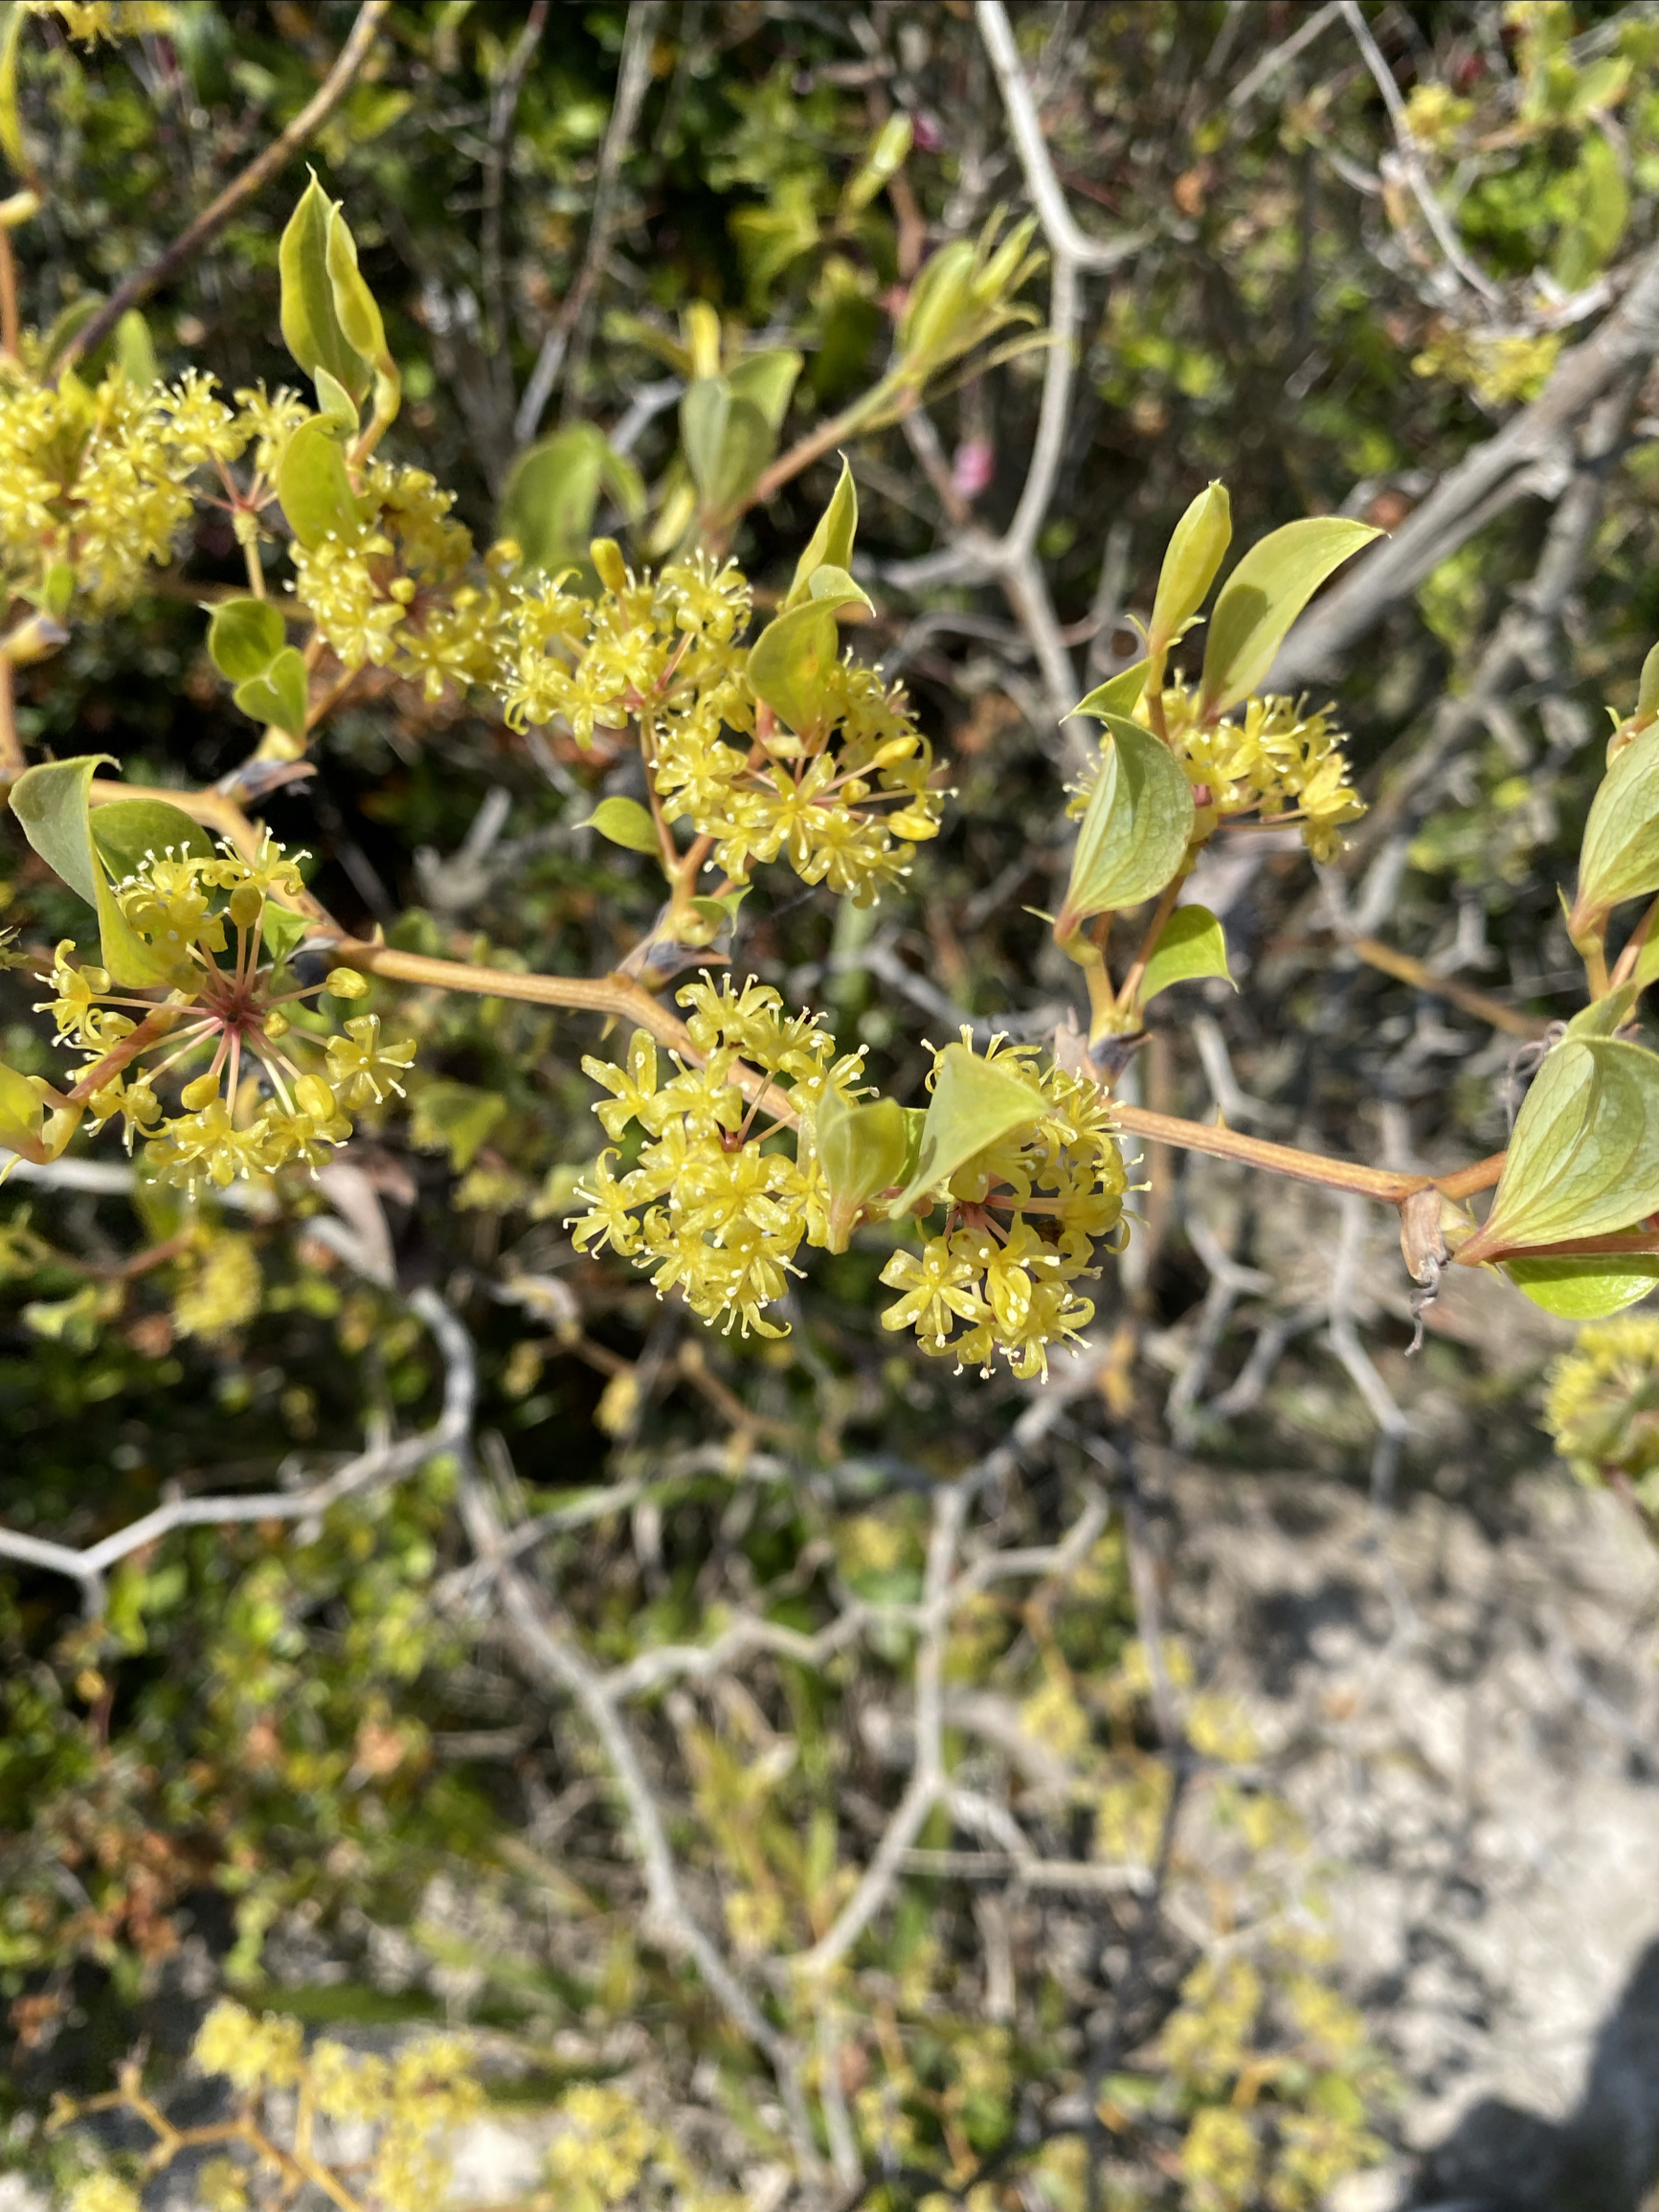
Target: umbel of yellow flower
<point x="842" y="801"/>
<point x="272" y="1083"/>
<point x="1275" y="762"/>
<point x="725" y="1203"/>
<point x="718" y="1204"/>
<point x="1022" y="1221"/>
<point x="1602" y="1408"/>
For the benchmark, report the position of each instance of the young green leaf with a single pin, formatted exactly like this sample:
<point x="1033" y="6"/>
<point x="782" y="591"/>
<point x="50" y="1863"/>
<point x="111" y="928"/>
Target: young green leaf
<point x="880" y="165"/>
<point x="831" y="543"/>
<point x="553" y="492"/>
<point x="1263" y="598"/>
<point x="1618" y="858"/>
<point x="861" y="1150"/>
<point x="788" y="661"/>
<point x="280" y="928"/>
<point x="626" y="823"/>
<point x="279" y="696"/>
<point x="128" y="829"/>
<point x="1119" y="694"/>
<point x="767" y="380"/>
<point x="728" y="440"/>
<point x="1195" y="551"/>
<point x="975" y="1103"/>
<point x="1585" y="1290"/>
<point x="53" y="806"/>
<point x="1583" y="1160"/>
<point x="1191" y="944"/>
<point x="22" y="1110"/>
<point x="1134" y="834"/>
<point x="134" y="348"/>
<point x="313" y="487"/>
<point x="311" y="319"/>
<point x="244" y="637"/>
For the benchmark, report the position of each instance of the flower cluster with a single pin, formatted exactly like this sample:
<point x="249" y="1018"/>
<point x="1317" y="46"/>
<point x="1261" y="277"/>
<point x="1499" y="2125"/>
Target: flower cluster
<point x="1021" y="1222"/>
<point x="821" y="797"/>
<point x="608" y="2153"/>
<point x="842" y="801"/>
<point x="399" y="589"/>
<point x="426" y="2089"/>
<point x="1602" y="1408"/>
<point x="725" y="1203"/>
<point x="1278" y="762"/>
<point x="89" y="20"/>
<point x="95" y="479"/>
<point x="278" y="1086"/>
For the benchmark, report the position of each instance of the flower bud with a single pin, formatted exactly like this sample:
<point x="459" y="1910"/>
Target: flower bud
<point x="862" y="1152"/>
<point x="346" y="983"/>
<point x="244" y="905"/>
<point x="200" y="1092"/>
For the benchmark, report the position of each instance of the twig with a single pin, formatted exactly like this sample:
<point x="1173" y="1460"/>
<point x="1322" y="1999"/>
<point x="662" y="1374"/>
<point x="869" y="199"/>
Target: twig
<point x="503" y="107"/>
<point x="1276" y="57"/>
<point x="553" y="1659"/>
<point x="1530" y="453"/>
<point x="1058" y="226"/>
<point x="1343" y="1338"/>
<point x="565" y="346"/>
<point x="1410" y="160"/>
<point x="381" y="1464"/>
<point x="304" y="125"/>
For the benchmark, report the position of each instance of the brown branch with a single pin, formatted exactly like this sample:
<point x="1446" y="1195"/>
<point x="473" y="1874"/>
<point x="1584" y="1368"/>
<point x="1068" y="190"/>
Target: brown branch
<point x="1402" y="965"/>
<point x="304" y="125"/>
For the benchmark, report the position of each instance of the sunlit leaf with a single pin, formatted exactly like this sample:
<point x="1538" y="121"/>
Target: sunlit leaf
<point x="53" y="806"/>
<point x="1191" y="944"/>
<point x="1583" y="1160"/>
<point x="1136" y="832"/>
<point x="626" y="823"/>
<point x="1196" y="552"/>
<point x="244" y="636"/>
<point x="1263" y="598"/>
<point x="1585" y="1290"/>
<point x="975" y="1103"/>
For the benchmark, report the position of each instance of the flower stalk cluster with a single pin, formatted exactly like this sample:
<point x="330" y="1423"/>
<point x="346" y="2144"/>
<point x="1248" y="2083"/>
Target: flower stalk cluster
<point x="271" y="1084"/>
<point x="1023" y="1217"/>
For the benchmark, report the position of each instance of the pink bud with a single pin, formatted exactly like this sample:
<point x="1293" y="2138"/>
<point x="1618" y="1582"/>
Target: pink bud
<point x="974" y="466"/>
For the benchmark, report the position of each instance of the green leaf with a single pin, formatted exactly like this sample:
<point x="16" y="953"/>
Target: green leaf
<point x="134" y="348"/>
<point x="552" y="495"/>
<point x="456" y="1118"/>
<point x="626" y="822"/>
<point x="311" y="328"/>
<point x="1648" y="688"/>
<point x="1263" y="598"/>
<point x="975" y="1103"/>
<point x="880" y="165"/>
<point x="767" y="380"/>
<point x="244" y="637"/>
<point x="53" y="806"/>
<point x="728" y="440"/>
<point x="862" y="1149"/>
<point x="11" y="120"/>
<point x="1585" y="1290"/>
<point x="279" y="696"/>
<point x="1583" y="1160"/>
<point x="1191" y="944"/>
<point x="280" y="928"/>
<point x="356" y="312"/>
<point x="788" y="662"/>
<point x="1646" y="963"/>
<point x="1135" y="835"/>
<point x="22" y="1112"/>
<point x="125" y="829"/>
<point x="312" y="483"/>
<point x="831" y="543"/>
<point x="1601" y="208"/>
<point x="1119" y="694"/>
<point x="1195" y="551"/>
<point x="1618" y="858"/>
<point x="1606" y="1016"/>
<point x="336" y="406"/>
